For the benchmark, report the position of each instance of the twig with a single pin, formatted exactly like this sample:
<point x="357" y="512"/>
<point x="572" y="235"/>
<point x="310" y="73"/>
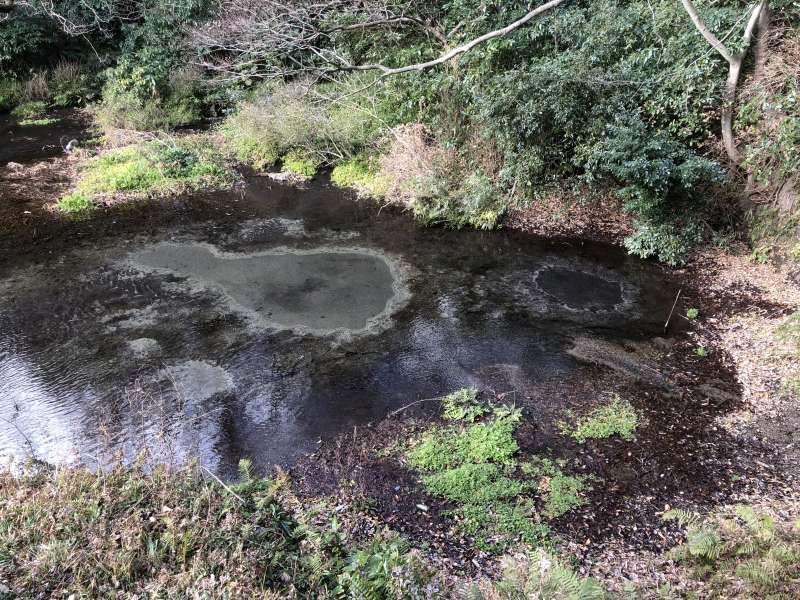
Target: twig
<point x="28" y="442"/>
<point x="674" y="304"/>
<point x="401" y="409"/>
<point x="219" y="481"/>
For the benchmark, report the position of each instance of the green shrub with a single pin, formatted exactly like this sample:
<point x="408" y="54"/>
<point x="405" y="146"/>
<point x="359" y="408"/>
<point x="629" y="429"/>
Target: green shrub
<point x="664" y="241"/>
<point x="287" y="120"/>
<point x="125" y="110"/>
<point x="617" y="417"/>
<point x="692" y="314"/>
<point x="10" y="94"/>
<point x="701" y="351"/>
<point x="300" y="165"/>
<point x="75" y="203"/>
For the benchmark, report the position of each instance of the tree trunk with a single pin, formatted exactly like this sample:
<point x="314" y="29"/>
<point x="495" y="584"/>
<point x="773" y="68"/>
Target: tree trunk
<point x="728" y="139"/>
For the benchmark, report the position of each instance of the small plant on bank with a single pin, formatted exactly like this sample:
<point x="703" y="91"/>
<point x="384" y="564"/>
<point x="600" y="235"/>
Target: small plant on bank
<point x="540" y="575"/>
<point x="474" y="465"/>
<point x="740" y="547"/>
<point x="561" y="492"/>
<point x="701" y="351"/>
<point x="692" y="314"/>
<point x="463" y="405"/>
<point x="789" y="330"/>
<point x="617" y="417"/>
<point x="75" y="204"/>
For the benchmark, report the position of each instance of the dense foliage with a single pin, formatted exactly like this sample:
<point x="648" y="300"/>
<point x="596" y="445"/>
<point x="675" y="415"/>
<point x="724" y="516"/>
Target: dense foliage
<point x="592" y="97"/>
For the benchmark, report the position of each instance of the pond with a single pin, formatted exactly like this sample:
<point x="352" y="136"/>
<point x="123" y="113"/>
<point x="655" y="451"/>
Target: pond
<point x="260" y="321"/>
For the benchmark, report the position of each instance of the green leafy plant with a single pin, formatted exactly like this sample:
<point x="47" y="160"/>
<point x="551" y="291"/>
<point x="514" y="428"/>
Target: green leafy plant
<point x="463" y="405"/>
<point x="540" y="575"/>
<point x="701" y="351"/>
<point x="617" y="417"/>
<point x="692" y="314"/>
<point x="561" y="492"/>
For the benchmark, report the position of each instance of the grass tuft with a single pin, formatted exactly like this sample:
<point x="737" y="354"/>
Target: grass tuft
<point x="135" y="534"/>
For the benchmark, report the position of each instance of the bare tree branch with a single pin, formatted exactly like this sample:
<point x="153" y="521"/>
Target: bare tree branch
<point x="735" y="62"/>
<point x="451" y="54"/>
<point x="273" y="39"/>
<point x="705" y="31"/>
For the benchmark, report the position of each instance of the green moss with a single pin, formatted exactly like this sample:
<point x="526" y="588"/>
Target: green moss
<point x="75" y="203"/>
<point x="30" y="110"/>
<point x="362" y="174"/>
<point x="126" y="170"/>
<point x="618" y="417"/>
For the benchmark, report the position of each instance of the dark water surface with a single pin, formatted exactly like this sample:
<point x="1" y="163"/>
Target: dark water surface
<point x="256" y="322"/>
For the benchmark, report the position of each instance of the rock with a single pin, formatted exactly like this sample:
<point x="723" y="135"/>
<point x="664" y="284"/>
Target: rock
<point x="715" y="394"/>
<point x="14" y="166"/>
